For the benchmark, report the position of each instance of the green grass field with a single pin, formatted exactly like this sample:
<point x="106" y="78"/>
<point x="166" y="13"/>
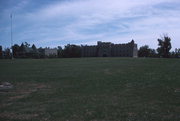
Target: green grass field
<point x="91" y="89"/>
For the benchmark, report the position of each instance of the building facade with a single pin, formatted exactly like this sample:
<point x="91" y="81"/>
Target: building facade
<point x="108" y="49"/>
<point x="50" y="52"/>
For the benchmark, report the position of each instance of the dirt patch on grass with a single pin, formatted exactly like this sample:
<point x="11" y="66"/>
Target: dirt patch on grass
<point x="20" y="91"/>
<point x="107" y="71"/>
<point x="177" y="90"/>
<point x="131" y="114"/>
<point x="24" y="89"/>
<point x="17" y="97"/>
<point x="11" y="101"/>
<point x="15" y="116"/>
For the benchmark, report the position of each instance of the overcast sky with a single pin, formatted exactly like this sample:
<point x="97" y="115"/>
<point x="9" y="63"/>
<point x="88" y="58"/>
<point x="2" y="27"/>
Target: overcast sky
<point x="59" y="22"/>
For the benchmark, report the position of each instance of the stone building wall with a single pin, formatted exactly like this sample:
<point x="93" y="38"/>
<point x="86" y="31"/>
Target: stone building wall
<point x="104" y="49"/>
<point x="108" y="49"/>
<point x="89" y="51"/>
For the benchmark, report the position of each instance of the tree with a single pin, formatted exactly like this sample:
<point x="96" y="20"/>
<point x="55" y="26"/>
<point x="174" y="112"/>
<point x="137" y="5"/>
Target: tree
<point x="72" y="51"/>
<point x="1" y="53"/>
<point x="60" y="51"/>
<point x="34" y="47"/>
<point x="41" y="52"/>
<point x="35" y="53"/>
<point x="164" y="46"/>
<point x="7" y="53"/>
<point x="145" y="51"/>
<point x="16" y="50"/>
<point x="27" y="44"/>
<point x="176" y="53"/>
<point x="22" y="50"/>
<point x="152" y="53"/>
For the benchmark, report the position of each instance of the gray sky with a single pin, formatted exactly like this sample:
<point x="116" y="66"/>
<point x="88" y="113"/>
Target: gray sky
<point x="58" y="22"/>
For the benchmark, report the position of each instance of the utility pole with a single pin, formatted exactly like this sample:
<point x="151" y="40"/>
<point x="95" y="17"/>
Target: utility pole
<point x="11" y="36"/>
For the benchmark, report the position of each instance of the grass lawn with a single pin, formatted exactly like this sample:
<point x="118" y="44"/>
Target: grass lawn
<point x="91" y="89"/>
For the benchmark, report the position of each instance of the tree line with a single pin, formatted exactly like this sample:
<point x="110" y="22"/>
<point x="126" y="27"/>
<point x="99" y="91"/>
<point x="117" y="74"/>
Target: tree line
<point x="163" y="50"/>
<point x="25" y="50"/>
